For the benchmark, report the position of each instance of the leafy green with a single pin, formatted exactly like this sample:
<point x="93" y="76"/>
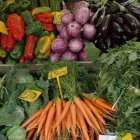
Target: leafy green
<point x="92" y="52"/>
<point x="2" y="137"/>
<point x="11" y="114"/>
<point x="16" y="133"/>
<point x="119" y="82"/>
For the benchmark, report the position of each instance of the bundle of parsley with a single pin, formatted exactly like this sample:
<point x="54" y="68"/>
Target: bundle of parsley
<point x="118" y="81"/>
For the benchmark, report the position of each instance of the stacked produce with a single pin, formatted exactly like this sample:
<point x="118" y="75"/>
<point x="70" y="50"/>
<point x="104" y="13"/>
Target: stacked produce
<point x="29" y="36"/>
<point x="74" y="32"/>
<point x="116" y="23"/>
<point x="70" y="115"/>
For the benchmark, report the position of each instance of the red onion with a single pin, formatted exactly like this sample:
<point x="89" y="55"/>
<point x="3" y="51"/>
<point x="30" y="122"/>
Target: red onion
<point x="54" y="57"/>
<point x="67" y="18"/>
<point x="74" y="29"/>
<point x="81" y="4"/>
<point x="59" y="27"/>
<point x="76" y="45"/>
<point x="66" y="11"/>
<point x="82" y="15"/>
<point x="69" y="56"/>
<point x="59" y="45"/>
<point x="83" y="56"/>
<point x="64" y="34"/>
<point x="58" y="36"/>
<point x="89" y="31"/>
<point x="91" y="14"/>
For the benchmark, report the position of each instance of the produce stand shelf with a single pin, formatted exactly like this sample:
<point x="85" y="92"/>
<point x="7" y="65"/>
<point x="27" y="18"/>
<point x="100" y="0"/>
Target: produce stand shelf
<point x="35" y="67"/>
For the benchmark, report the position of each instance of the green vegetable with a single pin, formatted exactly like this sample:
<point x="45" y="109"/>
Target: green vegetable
<point x="16" y="53"/>
<point x="16" y="133"/>
<point x="44" y="3"/>
<point x="23" y="76"/>
<point x="34" y="28"/>
<point x="10" y="60"/>
<point x="27" y="17"/>
<point x="118" y="82"/>
<point x="44" y="33"/>
<point x="2" y="137"/>
<point x="3" y="53"/>
<point x="11" y="114"/>
<point x="14" y="7"/>
<point x="2" y="5"/>
<point x="3" y="16"/>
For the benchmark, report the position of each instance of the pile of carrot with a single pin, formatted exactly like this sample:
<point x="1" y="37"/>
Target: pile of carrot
<point x="65" y="120"/>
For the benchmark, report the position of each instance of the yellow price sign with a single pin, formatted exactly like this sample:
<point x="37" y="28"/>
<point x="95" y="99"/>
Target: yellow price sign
<point x="56" y="74"/>
<point x="127" y="137"/>
<point x="57" y="17"/>
<point x="30" y="95"/>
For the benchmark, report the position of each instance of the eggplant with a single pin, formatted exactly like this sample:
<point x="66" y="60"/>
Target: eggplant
<point x="105" y="25"/>
<point x="95" y="17"/>
<point x="108" y="42"/>
<point x="115" y="45"/>
<point x="93" y="7"/>
<point x="116" y="36"/>
<point x="134" y="11"/>
<point x="131" y="20"/>
<point x="119" y="20"/>
<point x="99" y="21"/>
<point x="124" y="37"/>
<point x="116" y="27"/>
<point x="113" y="10"/>
<point x="127" y="29"/>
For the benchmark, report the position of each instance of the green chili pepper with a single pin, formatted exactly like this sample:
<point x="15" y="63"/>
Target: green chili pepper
<point x="3" y="53"/>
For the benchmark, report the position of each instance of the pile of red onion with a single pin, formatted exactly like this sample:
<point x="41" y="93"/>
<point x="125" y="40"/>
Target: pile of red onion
<point x="73" y="34"/>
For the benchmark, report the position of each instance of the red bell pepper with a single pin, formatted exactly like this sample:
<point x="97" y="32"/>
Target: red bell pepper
<point x="16" y="26"/>
<point x="44" y="20"/>
<point x="49" y="27"/>
<point x="46" y="15"/>
<point x="29" y="47"/>
<point x="7" y="41"/>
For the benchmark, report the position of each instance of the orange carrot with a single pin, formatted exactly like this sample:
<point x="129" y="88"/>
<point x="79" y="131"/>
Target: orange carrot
<point x="68" y="122"/>
<point x="42" y="133"/>
<point x="80" y="106"/>
<point x="91" y="116"/>
<point x="73" y="113"/>
<point x="58" y="113"/>
<point x="82" y="124"/>
<point x="73" y="130"/>
<point x="102" y="126"/>
<point x="101" y="108"/>
<point x="30" y="133"/>
<point x="32" y="125"/>
<point x="91" y="133"/>
<point x="64" y="113"/>
<point x="32" y="118"/>
<point x="93" y="109"/>
<point x="35" y="135"/>
<point x="49" y="120"/>
<point x="44" y="116"/>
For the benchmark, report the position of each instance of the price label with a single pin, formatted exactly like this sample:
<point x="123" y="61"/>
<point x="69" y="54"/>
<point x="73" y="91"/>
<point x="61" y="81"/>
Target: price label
<point x="58" y="17"/>
<point x="3" y="28"/>
<point x="56" y="74"/>
<point x="128" y="137"/>
<point x="30" y="95"/>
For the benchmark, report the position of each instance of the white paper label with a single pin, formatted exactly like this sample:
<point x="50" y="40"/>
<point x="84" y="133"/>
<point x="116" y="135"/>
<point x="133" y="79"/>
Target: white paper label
<point x="107" y="137"/>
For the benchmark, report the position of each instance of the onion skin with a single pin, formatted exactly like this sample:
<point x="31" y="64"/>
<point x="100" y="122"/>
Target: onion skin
<point x="54" y="57"/>
<point x="89" y="31"/>
<point x="67" y="18"/>
<point x="83" y="56"/>
<point x="69" y="56"/>
<point x="75" y="45"/>
<point x="66" y="11"/>
<point x="59" y="27"/>
<point x="64" y="34"/>
<point x="59" y="45"/>
<point x="74" y="29"/>
<point x="82" y="15"/>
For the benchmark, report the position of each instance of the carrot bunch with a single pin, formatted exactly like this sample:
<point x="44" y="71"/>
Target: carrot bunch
<point x="70" y="119"/>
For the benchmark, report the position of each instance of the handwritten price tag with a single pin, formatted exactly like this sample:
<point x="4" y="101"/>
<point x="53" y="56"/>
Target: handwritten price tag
<point x="56" y="74"/>
<point x="30" y="95"/>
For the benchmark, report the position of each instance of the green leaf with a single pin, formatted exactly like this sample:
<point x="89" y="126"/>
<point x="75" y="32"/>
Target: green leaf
<point x="132" y="56"/>
<point x="92" y="52"/>
<point x="2" y="137"/>
<point x="16" y="133"/>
